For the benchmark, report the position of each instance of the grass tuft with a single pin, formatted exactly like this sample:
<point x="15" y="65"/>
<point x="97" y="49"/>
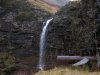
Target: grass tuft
<point x="67" y="71"/>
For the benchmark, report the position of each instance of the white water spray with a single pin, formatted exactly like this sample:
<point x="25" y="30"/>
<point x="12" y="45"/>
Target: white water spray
<point x="42" y="45"/>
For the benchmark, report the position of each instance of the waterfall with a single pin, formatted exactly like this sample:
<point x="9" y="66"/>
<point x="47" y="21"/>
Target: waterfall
<point x="42" y="45"/>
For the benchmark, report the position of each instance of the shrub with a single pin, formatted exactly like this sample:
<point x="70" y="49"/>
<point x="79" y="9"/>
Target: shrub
<point x="7" y="63"/>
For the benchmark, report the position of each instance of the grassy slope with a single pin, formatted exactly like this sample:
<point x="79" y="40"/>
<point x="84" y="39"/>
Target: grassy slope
<point x="43" y="6"/>
<point x="66" y="71"/>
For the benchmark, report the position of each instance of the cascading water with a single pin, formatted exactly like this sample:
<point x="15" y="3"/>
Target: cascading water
<point x="42" y="45"/>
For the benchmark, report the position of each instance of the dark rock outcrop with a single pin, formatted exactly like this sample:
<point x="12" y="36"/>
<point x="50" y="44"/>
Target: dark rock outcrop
<point x="20" y="28"/>
<point x="73" y="28"/>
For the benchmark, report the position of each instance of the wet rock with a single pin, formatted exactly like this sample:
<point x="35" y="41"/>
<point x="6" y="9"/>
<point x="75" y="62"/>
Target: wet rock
<point x="2" y="10"/>
<point x="98" y="2"/>
<point x="9" y="17"/>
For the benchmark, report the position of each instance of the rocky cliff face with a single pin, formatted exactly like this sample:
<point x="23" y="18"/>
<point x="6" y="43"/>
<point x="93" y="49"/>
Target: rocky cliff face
<point x="73" y="28"/>
<point x="20" y="27"/>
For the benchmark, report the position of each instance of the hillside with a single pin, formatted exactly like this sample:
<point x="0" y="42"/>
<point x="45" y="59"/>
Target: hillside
<point x="20" y="28"/>
<point x="74" y="31"/>
<point x="58" y="3"/>
<point x="73" y="28"/>
<point x="45" y="6"/>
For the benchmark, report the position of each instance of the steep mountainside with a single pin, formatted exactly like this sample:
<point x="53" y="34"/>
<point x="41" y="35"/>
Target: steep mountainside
<point x="20" y="27"/>
<point x="44" y="5"/>
<point x="74" y="28"/>
<point x="59" y="3"/>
